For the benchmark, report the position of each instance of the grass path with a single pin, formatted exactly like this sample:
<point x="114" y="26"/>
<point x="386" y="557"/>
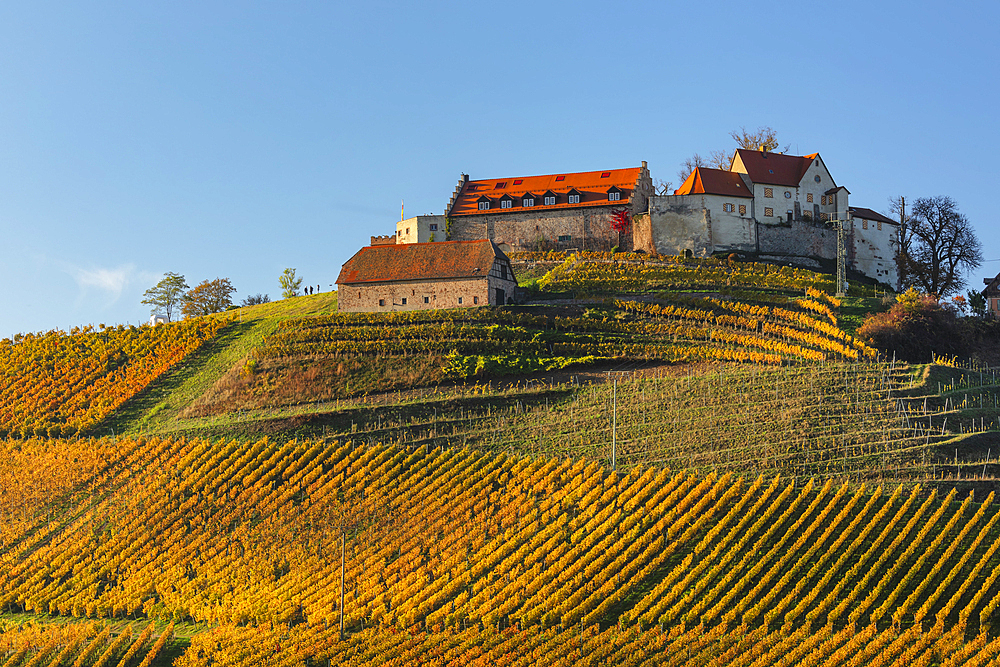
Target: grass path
<point x="157" y="407"/>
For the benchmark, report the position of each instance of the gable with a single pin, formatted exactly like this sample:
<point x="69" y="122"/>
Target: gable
<point x="772" y="168"/>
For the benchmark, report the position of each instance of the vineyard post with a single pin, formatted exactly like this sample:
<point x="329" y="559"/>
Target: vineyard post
<point x="343" y="560"/>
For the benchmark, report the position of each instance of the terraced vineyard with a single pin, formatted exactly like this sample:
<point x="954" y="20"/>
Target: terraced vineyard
<point x="449" y="548"/>
<point x="344" y="355"/>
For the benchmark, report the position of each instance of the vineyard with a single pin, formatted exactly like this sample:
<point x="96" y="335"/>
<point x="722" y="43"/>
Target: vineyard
<point x="604" y="272"/>
<point x="60" y="384"/>
<point x="78" y="644"/>
<point x="329" y="357"/>
<point x="475" y="555"/>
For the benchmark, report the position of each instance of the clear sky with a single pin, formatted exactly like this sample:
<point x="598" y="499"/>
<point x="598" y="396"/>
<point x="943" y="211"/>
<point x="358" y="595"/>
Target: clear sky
<point x="232" y="139"/>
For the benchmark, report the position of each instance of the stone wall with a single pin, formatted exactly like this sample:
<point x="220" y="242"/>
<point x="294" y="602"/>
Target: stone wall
<point x="587" y="228"/>
<point x="676" y="225"/>
<point x="797" y="239"/>
<point x="423" y="294"/>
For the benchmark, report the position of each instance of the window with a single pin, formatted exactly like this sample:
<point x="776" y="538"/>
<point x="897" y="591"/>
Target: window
<point x="519" y="181"/>
<point x="460" y="301"/>
<point x="728" y="208"/>
<point x="605" y="174"/>
<point x="816" y="178"/>
<point x="475" y="300"/>
<point x="434" y="228"/>
<point x="788" y="195"/>
<point x="566" y="239"/>
<point x="381" y="302"/>
<point x="506" y="203"/>
<point x="560" y="178"/>
<point x="528" y="201"/>
<point x="484" y="206"/>
<point x="864" y="224"/>
<point x="614" y="196"/>
<point x="404" y="300"/>
<point x="427" y="299"/>
<point x="501" y="185"/>
<point x="743" y="209"/>
<point x="880" y="225"/>
<point x="550" y="201"/>
<point x="574" y="199"/>
<point x="824" y="217"/>
<point x="768" y="192"/>
<point x="809" y="197"/>
<point x="822" y="200"/>
<point x="768" y="212"/>
<point x="407" y="231"/>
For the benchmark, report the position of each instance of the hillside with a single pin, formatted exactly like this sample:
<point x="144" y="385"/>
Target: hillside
<point x="652" y="462"/>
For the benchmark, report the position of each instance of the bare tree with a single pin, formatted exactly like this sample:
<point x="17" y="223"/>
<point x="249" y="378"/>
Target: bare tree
<point x="940" y="246"/>
<point x="720" y="160"/>
<point x="662" y="187"/>
<point x="897" y="211"/>
<point x="761" y="139"/>
<point x="688" y="166"/>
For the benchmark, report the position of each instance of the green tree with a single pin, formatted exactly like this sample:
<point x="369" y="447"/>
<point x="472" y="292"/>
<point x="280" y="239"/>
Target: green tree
<point x="208" y="297"/>
<point x="289" y="283"/>
<point x="977" y="303"/>
<point x="166" y="295"/>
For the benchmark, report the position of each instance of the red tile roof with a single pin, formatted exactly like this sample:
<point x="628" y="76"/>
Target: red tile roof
<point x="592" y="185"/>
<point x="868" y="214"/>
<point x="420" y="261"/>
<point x="775" y="168"/>
<point x="714" y="182"/>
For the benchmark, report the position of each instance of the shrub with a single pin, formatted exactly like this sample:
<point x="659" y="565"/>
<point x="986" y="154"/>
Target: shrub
<point x="914" y="328"/>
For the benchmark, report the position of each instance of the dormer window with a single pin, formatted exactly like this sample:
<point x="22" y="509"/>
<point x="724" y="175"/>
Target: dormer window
<point x="528" y="199"/>
<point x="484" y="203"/>
<point x="574" y="196"/>
<point x="549" y="198"/>
<point x="506" y="202"/>
<point x="614" y="194"/>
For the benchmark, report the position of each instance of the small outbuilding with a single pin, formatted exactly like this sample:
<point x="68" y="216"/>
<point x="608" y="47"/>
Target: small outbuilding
<point x="992" y="295"/>
<point x="424" y="276"/>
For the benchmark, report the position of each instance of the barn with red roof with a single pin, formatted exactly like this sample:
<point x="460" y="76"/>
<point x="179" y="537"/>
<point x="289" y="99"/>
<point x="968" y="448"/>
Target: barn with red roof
<point x="425" y="276"/>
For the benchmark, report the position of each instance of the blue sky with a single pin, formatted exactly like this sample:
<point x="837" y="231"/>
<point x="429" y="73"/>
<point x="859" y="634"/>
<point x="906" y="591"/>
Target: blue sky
<point x="236" y="139"/>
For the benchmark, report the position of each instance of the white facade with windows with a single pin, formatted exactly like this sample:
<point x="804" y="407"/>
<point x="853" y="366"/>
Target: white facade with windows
<point x="773" y="206"/>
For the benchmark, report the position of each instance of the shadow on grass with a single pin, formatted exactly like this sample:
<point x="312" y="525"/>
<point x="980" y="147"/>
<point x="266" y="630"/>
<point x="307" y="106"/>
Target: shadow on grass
<point x="145" y="406"/>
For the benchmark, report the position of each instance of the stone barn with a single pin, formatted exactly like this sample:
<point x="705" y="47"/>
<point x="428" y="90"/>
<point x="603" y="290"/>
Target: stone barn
<point x="424" y="276"/>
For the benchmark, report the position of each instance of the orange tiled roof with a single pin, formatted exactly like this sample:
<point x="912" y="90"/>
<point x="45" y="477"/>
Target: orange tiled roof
<point x="420" y="261"/>
<point x="714" y="182"/>
<point x="593" y="187"/>
<point x="775" y="168"/>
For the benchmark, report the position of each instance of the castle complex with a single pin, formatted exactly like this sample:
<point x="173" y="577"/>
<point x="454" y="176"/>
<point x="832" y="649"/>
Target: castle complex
<point x="772" y="206"/>
<point x="766" y="206"/>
